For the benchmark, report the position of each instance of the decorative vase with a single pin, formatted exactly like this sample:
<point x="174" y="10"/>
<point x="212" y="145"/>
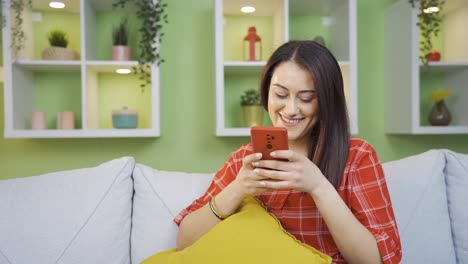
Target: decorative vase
<point x="252" y="46"/>
<point x="253" y="115"/>
<point x="120" y="53"/>
<point x="440" y="115"/>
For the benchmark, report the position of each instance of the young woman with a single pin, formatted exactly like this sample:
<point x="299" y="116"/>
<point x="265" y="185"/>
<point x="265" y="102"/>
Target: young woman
<point x="330" y="193"/>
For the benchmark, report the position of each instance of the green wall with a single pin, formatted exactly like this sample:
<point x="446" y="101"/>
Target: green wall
<point x="187" y="141"/>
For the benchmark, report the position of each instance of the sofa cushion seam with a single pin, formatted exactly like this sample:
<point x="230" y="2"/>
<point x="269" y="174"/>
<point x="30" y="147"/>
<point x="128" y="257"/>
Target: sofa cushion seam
<point x="1" y="252"/>
<point x="156" y="194"/>
<point x="420" y="198"/>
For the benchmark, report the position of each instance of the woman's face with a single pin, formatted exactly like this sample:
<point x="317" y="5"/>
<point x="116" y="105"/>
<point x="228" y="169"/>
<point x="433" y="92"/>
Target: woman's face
<point x="292" y="101"/>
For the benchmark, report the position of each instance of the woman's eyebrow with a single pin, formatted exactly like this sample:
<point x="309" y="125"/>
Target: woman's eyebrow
<point x="302" y="91"/>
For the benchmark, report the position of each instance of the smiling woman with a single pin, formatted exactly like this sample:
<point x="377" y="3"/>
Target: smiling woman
<point x="318" y="187"/>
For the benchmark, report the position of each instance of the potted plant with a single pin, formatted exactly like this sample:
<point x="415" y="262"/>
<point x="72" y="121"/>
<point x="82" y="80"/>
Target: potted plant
<point x="430" y="19"/>
<point x="153" y="16"/>
<point x="120" y="49"/>
<point x="252" y="108"/>
<point x="58" y="41"/>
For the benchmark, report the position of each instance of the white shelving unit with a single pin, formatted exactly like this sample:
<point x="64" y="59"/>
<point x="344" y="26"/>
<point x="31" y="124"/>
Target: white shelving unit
<point x="89" y="74"/>
<point x="284" y="20"/>
<point x="408" y="81"/>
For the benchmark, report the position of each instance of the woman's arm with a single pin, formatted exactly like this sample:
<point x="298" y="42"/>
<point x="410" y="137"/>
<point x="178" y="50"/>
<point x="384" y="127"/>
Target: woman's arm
<point x="367" y="233"/>
<point x="354" y="241"/>
<point x="197" y="223"/>
<point x="228" y="198"/>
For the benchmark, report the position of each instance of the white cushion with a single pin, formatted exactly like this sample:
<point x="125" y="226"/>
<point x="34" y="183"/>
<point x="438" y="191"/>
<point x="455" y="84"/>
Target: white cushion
<point x="159" y="198"/>
<point x="75" y="216"/>
<point x="457" y="196"/>
<point x="418" y="192"/>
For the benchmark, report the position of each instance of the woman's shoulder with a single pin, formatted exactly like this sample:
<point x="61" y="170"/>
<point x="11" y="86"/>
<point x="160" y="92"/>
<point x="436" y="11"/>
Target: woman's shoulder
<point x="360" y="149"/>
<point x="359" y="145"/>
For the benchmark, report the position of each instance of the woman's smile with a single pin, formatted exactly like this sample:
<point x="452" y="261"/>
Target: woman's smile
<point x="290" y="122"/>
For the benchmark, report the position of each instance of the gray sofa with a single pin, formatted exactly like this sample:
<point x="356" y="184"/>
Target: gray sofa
<point x="122" y="211"/>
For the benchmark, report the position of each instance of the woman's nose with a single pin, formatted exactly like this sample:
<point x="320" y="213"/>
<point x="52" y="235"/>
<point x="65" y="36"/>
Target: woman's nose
<point x="291" y="107"/>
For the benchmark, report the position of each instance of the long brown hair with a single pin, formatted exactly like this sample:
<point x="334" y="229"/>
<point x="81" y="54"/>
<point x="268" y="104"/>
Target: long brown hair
<point x="330" y="137"/>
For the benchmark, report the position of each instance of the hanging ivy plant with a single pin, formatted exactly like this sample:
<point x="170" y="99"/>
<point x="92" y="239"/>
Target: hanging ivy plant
<point x="153" y="17"/>
<point x="18" y="37"/>
<point x="429" y="22"/>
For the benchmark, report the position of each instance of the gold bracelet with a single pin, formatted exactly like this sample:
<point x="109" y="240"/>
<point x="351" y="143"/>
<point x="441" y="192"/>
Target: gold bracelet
<point x="215" y="210"/>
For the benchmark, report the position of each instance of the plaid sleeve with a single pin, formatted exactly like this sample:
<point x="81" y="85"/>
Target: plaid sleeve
<point x="371" y="204"/>
<point x="221" y="179"/>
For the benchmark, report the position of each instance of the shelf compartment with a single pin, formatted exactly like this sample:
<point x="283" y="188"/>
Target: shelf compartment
<point x="268" y="19"/>
<point x="234" y="85"/>
<point x="107" y="91"/>
<point x="39" y="21"/>
<point x="101" y="19"/>
<point x="455" y="81"/>
<point x="46" y="91"/>
<point x="452" y="39"/>
<point x="329" y="19"/>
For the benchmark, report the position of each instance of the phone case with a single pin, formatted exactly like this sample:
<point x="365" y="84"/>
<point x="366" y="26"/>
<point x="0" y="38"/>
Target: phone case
<point x="268" y="139"/>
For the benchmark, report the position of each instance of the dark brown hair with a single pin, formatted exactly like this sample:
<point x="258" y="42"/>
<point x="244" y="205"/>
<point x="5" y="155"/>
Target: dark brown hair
<point x="329" y="138"/>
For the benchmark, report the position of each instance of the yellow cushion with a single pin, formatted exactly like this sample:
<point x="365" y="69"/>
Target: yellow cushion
<point x="251" y="236"/>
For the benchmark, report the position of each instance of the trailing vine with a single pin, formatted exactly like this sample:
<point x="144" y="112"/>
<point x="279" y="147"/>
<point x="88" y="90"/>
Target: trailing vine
<point x="429" y="24"/>
<point x="153" y="17"/>
<point x="18" y="37"/>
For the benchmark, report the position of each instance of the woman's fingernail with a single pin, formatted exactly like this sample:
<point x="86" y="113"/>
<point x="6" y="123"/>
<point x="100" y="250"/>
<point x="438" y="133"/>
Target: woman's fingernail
<point x="256" y="171"/>
<point x="273" y="154"/>
<point x="255" y="164"/>
<point x="259" y="155"/>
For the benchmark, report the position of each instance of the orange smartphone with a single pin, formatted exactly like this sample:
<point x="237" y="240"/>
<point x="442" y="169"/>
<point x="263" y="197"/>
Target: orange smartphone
<point x="268" y="139"/>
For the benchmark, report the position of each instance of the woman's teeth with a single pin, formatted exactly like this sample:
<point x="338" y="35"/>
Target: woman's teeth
<point x="294" y="121"/>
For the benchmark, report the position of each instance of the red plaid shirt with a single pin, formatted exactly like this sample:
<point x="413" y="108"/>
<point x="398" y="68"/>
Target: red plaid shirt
<point x="363" y="188"/>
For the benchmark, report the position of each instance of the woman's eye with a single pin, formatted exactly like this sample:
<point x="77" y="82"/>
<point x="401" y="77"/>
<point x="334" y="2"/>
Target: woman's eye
<point x="281" y="95"/>
<point x="306" y="100"/>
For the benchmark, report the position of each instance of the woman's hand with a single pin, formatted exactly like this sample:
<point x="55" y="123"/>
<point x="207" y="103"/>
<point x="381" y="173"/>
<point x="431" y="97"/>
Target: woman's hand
<point x="247" y="182"/>
<point x="295" y="172"/>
